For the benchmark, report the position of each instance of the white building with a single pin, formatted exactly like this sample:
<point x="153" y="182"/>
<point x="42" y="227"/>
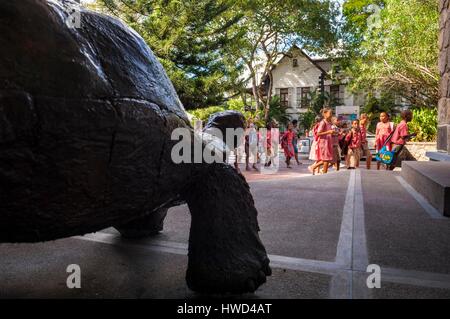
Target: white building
<point x="296" y="74"/>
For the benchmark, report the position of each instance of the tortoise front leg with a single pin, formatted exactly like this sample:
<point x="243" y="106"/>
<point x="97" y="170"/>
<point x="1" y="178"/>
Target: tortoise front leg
<point x="225" y="252"/>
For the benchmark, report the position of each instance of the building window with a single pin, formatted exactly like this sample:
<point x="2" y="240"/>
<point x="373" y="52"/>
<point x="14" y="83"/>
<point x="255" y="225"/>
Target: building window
<point x="294" y="63"/>
<point x="334" y="93"/>
<point x="284" y="97"/>
<point x="303" y="97"/>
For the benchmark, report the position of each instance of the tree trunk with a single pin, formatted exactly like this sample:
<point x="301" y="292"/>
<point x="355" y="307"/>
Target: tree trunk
<point x="255" y="92"/>
<point x="269" y="96"/>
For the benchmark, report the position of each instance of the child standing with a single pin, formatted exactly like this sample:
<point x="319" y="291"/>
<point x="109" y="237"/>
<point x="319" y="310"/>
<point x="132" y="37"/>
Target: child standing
<point x="336" y="148"/>
<point x="364" y="144"/>
<point x="286" y="143"/>
<point x="401" y="136"/>
<point x="312" y="152"/>
<point x="324" y="152"/>
<point x="384" y="129"/>
<point x="353" y="139"/>
<point x="342" y="143"/>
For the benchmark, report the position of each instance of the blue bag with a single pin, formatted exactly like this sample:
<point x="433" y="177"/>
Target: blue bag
<point x="384" y="155"/>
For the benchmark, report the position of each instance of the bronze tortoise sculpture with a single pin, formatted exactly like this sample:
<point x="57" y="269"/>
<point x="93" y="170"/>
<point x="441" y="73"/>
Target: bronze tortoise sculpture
<point x="86" y="116"/>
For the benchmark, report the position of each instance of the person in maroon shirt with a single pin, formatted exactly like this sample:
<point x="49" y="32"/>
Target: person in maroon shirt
<point x="324" y="148"/>
<point x="383" y="131"/>
<point x="287" y="145"/>
<point x="363" y="122"/>
<point x="336" y="149"/>
<point x="400" y="136"/>
<point x="353" y="139"/>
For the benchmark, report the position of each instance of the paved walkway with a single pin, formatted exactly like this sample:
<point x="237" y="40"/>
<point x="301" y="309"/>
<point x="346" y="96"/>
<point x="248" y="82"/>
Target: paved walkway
<point x="321" y="233"/>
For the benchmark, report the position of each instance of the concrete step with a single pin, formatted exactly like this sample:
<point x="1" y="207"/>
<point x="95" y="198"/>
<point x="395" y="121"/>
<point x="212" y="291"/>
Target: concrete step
<point x="432" y="180"/>
<point x="438" y="156"/>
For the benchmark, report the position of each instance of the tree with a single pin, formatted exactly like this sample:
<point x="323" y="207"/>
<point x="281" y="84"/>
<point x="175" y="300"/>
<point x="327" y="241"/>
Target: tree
<point x="360" y="16"/>
<point x="189" y="38"/>
<point x="306" y="120"/>
<point x="277" y="112"/>
<point x="318" y="100"/>
<point x="376" y="105"/>
<point x="393" y="48"/>
<point x="204" y="45"/>
<point x="271" y="28"/>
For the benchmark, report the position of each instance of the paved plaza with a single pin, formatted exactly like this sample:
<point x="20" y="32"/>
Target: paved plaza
<point x="321" y="233"/>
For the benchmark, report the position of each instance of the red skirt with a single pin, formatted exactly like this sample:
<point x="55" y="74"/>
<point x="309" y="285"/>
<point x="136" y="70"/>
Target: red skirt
<point x="325" y="149"/>
<point x="288" y="149"/>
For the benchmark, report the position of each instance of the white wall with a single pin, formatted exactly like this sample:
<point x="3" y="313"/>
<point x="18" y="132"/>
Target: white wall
<point x="306" y="74"/>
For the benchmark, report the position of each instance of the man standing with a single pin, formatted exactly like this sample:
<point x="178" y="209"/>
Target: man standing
<point x="363" y="122"/>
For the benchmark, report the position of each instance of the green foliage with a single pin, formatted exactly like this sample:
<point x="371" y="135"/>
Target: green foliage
<point x="237" y="105"/>
<point x="188" y="38"/>
<point x="374" y="106"/>
<point x="277" y="111"/>
<point x="306" y="120"/>
<point x="357" y="14"/>
<point x="203" y="114"/>
<point x="246" y="110"/>
<point x="319" y="100"/>
<point x="205" y="44"/>
<point x="272" y="27"/>
<point x="424" y="124"/>
<point x="395" y="50"/>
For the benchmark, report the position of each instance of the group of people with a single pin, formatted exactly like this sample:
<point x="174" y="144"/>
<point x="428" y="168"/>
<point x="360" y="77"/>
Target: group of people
<point x="257" y="144"/>
<point x="333" y="140"/>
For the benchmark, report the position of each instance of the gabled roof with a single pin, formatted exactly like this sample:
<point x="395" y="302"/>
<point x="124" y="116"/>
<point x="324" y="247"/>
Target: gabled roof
<point x="314" y="62"/>
<point x="287" y="54"/>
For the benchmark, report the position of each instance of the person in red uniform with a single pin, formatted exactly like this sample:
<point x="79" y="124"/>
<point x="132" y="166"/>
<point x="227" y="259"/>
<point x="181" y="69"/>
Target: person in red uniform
<point x="336" y="149"/>
<point x="287" y="145"/>
<point x="383" y="131"/>
<point x="313" y="151"/>
<point x="363" y="122"/>
<point x="401" y="136"/>
<point x="325" y="132"/>
<point x="353" y="140"/>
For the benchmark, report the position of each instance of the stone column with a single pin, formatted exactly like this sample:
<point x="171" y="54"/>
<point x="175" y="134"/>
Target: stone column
<point x="443" y="142"/>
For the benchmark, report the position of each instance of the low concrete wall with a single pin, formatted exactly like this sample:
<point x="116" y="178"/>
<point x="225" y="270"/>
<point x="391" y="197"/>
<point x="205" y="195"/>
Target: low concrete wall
<point x="432" y="180"/>
<point x="418" y="149"/>
<point x="415" y="151"/>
